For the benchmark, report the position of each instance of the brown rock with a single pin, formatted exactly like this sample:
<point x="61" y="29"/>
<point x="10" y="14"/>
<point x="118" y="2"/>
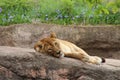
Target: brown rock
<point x="100" y="40"/>
<point x="26" y="64"/>
<point x="85" y="78"/>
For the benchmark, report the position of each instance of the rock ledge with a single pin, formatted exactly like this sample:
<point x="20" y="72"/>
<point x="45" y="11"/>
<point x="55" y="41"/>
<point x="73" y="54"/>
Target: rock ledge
<point x="26" y="64"/>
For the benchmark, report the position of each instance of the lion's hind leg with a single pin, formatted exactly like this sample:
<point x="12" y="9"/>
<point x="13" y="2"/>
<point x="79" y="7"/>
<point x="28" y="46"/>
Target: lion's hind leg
<point x="86" y="58"/>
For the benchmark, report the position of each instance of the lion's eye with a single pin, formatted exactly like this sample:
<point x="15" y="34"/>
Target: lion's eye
<point x="56" y="43"/>
<point x="40" y="46"/>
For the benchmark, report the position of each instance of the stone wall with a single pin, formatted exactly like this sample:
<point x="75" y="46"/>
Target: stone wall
<point x="103" y="41"/>
<point x="25" y="64"/>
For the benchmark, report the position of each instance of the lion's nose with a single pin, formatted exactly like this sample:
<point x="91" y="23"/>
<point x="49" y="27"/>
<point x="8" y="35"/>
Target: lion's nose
<point x="58" y="52"/>
<point x="36" y="49"/>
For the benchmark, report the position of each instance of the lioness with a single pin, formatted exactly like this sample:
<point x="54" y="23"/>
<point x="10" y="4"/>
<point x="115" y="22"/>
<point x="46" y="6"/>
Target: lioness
<point x="60" y="48"/>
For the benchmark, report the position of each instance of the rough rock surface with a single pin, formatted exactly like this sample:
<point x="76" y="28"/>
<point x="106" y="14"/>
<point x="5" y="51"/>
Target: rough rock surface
<point x="26" y="64"/>
<point x="102" y="41"/>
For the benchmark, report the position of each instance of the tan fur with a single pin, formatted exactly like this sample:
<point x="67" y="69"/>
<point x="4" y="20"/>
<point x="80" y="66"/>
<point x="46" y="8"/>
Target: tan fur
<point x="60" y="48"/>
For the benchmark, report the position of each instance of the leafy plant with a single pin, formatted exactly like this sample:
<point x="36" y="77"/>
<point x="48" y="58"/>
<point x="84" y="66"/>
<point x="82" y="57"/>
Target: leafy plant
<point x="15" y="11"/>
<point x="60" y="11"/>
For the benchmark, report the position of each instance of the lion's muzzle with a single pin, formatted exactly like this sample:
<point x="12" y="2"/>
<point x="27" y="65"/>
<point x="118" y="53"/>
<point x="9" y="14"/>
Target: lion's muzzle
<point x="59" y="54"/>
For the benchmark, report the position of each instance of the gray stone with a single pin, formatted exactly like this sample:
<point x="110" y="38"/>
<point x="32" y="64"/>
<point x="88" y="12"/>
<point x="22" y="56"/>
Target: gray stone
<point x="26" y="64"/>
<point x="100" y="40"/>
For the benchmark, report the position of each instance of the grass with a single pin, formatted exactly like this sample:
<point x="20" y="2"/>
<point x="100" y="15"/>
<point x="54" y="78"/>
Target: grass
<point x="63" y="12"/>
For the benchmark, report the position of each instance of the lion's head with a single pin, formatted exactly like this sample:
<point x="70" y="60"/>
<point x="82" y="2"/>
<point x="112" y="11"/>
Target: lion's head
<point x="49" y="46"/>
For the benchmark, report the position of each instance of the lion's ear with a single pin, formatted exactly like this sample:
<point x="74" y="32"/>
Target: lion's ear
<point x="52" y="35"/>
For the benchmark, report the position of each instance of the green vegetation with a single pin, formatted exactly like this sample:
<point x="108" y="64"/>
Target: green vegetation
<point x="60" y="11"/>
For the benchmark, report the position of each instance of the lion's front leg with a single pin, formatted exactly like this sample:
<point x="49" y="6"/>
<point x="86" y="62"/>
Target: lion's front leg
<point x="96" y="60"/>
<point x="80" y="56"/>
